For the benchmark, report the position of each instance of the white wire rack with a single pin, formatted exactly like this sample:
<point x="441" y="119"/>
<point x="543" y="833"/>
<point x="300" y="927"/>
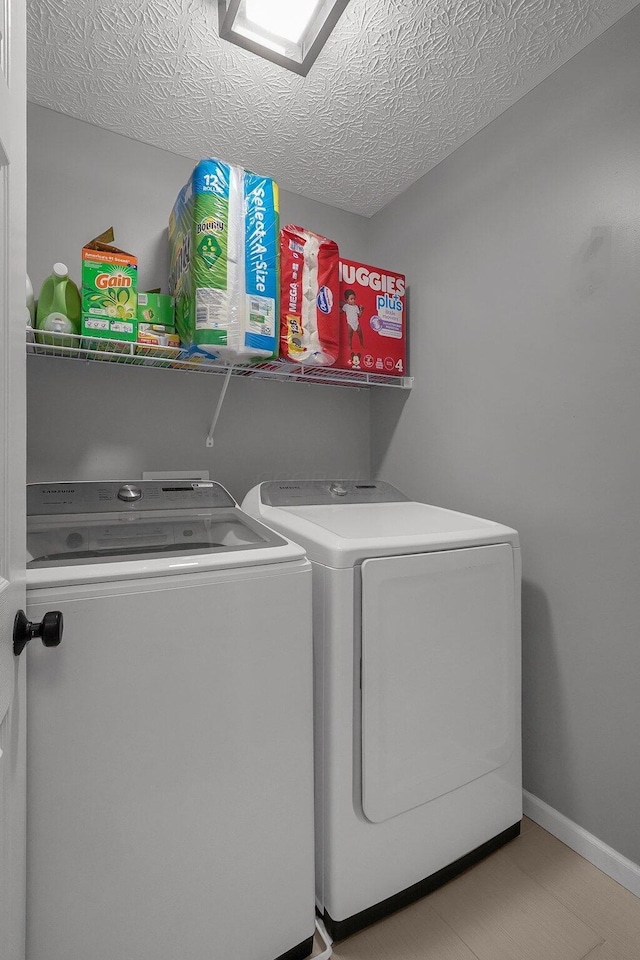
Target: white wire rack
<point x="72" y="347"/>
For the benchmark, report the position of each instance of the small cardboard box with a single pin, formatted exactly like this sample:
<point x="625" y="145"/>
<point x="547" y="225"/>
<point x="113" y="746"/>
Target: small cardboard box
<point x="152" y="329"/>
<point x="373" y="320"/>
<point x="109" y="290"/>
<point x="157" y="337"/>
<point x="157" y="341"/>
<point x="156" y="308"/>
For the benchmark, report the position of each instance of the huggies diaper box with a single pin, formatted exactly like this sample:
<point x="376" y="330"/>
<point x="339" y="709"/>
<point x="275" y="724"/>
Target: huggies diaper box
<point x="373" y="320"/>
<point x="223" y="241"/>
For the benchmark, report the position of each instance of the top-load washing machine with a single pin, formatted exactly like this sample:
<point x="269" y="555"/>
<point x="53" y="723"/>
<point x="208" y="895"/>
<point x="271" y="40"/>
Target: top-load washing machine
<point x="170" y="753"/>
<point x="417" y="689"/>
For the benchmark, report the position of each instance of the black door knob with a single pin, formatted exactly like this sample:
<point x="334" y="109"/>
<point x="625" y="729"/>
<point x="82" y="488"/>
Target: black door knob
<point x="49" y="630"/>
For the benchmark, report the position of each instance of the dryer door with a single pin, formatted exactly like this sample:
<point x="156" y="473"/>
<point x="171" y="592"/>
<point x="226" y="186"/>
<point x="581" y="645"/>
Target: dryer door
<point x="439" y="674"/>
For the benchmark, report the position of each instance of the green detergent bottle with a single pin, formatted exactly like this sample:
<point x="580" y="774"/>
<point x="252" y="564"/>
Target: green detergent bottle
<point x="59" y="308"/>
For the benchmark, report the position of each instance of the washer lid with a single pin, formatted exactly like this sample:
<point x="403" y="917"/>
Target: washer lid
<point x="341" y="534"/>
<point x="87" y="531"/>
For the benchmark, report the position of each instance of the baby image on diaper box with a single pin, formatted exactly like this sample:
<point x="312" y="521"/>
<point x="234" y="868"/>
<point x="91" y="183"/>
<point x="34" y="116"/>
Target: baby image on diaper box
<point x="373" y="321"/>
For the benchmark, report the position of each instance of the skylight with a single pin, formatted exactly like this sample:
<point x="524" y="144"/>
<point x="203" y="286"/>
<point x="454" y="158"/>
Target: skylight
<point x="290" y="33"/>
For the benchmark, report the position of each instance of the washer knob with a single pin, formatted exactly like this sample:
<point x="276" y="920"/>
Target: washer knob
<point x="338" y="490"/>
<point x="129" y="493"/>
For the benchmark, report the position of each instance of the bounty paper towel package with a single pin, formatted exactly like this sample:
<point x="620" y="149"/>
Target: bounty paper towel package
<point x="223" y="239"/>
<point x="373" y="320"/>
<point x="309" y="327"/>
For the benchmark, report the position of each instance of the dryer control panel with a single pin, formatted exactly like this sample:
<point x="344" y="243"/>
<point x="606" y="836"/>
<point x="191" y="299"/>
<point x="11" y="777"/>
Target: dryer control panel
<point x="306" y="493"/>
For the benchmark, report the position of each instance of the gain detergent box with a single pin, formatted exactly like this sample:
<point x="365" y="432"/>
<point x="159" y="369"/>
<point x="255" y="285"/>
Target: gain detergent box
<point x="223" y="244"/>
<point x="109" y="290"/>
<point x="373" y="324"/>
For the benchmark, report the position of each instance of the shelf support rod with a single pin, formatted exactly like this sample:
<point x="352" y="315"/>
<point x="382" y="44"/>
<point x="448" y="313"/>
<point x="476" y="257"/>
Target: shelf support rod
<point x="209" y="440"/>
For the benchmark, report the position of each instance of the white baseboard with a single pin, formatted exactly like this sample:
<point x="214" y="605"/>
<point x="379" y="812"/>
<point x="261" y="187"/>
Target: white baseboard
<point x="605" y="858"/>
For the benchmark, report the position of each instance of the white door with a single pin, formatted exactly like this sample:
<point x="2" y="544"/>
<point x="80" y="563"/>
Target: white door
<point x="12" y="472"/>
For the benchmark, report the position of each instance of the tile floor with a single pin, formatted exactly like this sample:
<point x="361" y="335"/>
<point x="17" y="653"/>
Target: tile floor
<point x="535" y="899"/>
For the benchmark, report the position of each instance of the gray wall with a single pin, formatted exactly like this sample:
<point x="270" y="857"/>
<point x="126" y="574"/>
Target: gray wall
<point x="522" y="251"/>
<point x="87" y="421"/>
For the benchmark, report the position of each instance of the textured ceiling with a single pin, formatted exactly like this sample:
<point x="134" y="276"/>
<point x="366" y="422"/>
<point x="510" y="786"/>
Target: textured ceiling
<point x="398" y="87"/>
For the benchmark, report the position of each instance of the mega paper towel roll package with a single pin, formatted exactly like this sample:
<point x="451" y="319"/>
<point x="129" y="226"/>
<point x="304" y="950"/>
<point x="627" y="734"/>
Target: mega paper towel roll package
<point x="223" y="239"/>
<point x="309" y="331"/>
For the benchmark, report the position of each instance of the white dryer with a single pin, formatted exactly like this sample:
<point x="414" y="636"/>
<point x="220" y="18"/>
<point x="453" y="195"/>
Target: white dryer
<point x="170" y="770"/>
<point x="417" y="689"/>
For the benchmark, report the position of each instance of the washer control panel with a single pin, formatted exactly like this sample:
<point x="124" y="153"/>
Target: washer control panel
<point x="111" y="496"/>
<point x="307" y="493"/>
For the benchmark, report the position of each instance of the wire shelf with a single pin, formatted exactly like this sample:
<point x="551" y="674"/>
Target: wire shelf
<point x="73" y="347"/>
